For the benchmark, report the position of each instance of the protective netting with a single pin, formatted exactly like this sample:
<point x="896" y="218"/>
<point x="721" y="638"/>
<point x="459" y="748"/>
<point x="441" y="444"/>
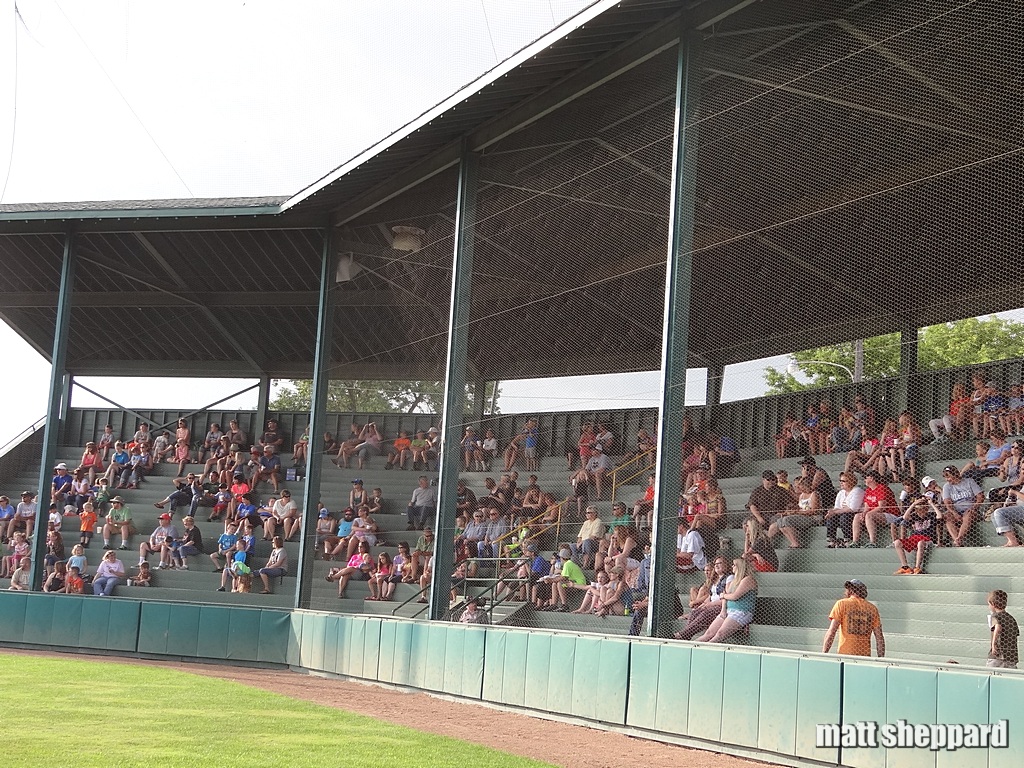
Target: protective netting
<point x="855" y="173"/>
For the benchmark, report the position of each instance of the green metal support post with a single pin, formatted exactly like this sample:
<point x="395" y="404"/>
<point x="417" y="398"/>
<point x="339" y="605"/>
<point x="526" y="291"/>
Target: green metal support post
<point x="716" y="375"/>
<point x="262" y="401"/>
<point x="54" y="409"/>
<point x="675" y="342"/>
<point x="317" y="421"/>
<point x="454" y="383"/>
<point x="908" y="365"/>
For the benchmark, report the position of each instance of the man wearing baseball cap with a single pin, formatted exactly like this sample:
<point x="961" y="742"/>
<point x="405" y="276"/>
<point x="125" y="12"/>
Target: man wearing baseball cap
<point x="165" y="532"/>
<point x="856" y="620"/>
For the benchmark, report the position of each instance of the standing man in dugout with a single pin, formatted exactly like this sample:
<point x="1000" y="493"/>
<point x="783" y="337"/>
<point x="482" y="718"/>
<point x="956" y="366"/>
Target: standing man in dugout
<point x="856" y="620"/>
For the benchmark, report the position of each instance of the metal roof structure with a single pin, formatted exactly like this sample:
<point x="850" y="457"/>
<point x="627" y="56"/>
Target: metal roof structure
<point x="851" y="155"/>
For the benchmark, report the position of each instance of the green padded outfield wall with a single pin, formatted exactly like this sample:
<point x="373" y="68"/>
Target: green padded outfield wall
<point x="757" y="703"/>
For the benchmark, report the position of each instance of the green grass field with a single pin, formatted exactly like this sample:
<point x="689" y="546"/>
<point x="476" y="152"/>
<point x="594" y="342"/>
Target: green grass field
<point x="70" y="712"/>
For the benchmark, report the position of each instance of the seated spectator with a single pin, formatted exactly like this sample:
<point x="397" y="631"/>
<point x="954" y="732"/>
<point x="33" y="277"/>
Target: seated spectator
<point x="21" y="579"/>
<point x="57" y="581"/>
<point x="286" y="513"/>
<point x="162" y="534"/>
<point x="423" y="551"/>
<point x="236" y="436"/>
<point x="879" y="507"/>
<point x="268" y="467"/>
<point x="902" y="456"/>
<point x="276" y="567"/>
<point x="1010" y="470"/>
<point x="757" y="547"/>
<point x="489" y="449"/>
<point x="400" y="451"/>
<point x="368" y="445"/>
<point x="418" y="446"/>
<point x="643" y="508"/>
<point x="177" y="551"/>
<point x="78" y="562"/>
<point x="1005" y="517"/>
<point x="953" y="425"/>
<point x="118" y="520"/>
<point x="139" y="463"/>
<point x="106" y="442"/>
<point x="989" y="457"/>
<point x="962" y="498"/>
<point x="604" y="438"/>
<point x="376" y="501"/>
<point x="624" y="546"/>
<point x="360" y="567"/>
<point x="338" y="543"/>
<point x="326" y="526"/>
<point x="769" y="499"/>
<point x="381" y="576"/>
<point x="422" y="505"/>
<point x="61" y="492"/>
<point x="18" y="547"/>
<point x="144" y="578"/>
<point x="691" y="546"/>
<point x="162" y="447"/>
<point x="789" y="442"/>
<point x="812" y="432"/>
<point x="738" y="602"/>
<point x="237" y="569"/>
<point x="919" y="526"/>
<point x="820" y="481"/>
<point x="54" y="548"/>
<point x="848" y="502"/>
<point x="844" y="435"/>
<point x="646" y="443"/>
<point x="470" y="447"/>
<point x="570" y="577"/>
<point x="364" y="528"/>
<point x="1011" y="420"/>
<point x="118" y="463"/>
<point x="225" y="547"/>
<point x="79" y="492"/>
<point x="610" y="599"/>
<point x="301" y="448"/>
<point x="211" y="442"/>
<point x="806" y="515"/>
<point x="723" y="454"/>
<point x="272" y="437"/>
<point x="92" y="462"/>
<point x="706" y="605"/>
<point x="864" y="415"/>
<point x="7" y="513"/>
<point x="24" y="518"/>
<point x="590" y="536"/>
<point x="866" y="457"/>
<point x="109" y="573"/>
<point x="592" y="596"/>
<point x="598" y="466"/>
<point x="495" y="529"/>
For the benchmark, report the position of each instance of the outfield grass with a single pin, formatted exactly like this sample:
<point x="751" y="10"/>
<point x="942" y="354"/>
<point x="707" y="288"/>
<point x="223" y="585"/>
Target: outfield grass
<point x="72" y="712"/>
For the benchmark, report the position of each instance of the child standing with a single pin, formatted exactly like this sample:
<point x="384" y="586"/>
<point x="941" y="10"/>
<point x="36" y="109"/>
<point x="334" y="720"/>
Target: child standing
<point x="1004" y="632"/>
<point x="88" y="525"/>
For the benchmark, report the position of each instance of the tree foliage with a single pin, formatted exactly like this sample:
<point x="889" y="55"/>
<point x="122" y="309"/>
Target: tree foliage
<point x="950" y="345"/>
<point x="373" y="396"/>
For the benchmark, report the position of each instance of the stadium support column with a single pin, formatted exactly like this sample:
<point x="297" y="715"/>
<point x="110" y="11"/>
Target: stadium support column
<point x="51" y="432"/>
<point x="675" y="341"/>
<point x="716" y="374"/>
<point x="317" y="422"/>
<point x="454" y="382"/>
<point x="262" y="401"/>
<point x="908" y="365"/>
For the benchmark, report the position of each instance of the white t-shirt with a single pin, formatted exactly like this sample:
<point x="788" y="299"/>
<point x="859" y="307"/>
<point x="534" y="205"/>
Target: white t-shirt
<point x="693" y="543"/>
<point x="852" y="499"/>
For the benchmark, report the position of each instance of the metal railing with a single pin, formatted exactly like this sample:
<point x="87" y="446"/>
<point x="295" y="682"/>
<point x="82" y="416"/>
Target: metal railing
<point x="626" y="472"/>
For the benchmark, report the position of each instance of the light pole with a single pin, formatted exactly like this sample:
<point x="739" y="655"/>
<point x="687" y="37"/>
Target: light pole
<point x="793" y="369"/>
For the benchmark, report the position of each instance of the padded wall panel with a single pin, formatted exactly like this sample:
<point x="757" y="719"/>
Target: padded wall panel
<point x="68" y="616"/>
<point x="910" y="695"/>
<point x="213" y="632"/>
<point x="12" y="616"/>
<point x="1006" y="694"/>
<point x="539" y="674"/>
<point x="433" y="670"/>
<point x="371" y="647"/>
<point x="294" y="655"/>
<point x="317" y="636"/>
<point x="674" y="688"/>
<point x="707" y="679"/>
<point x="454" y="659"/>
<point x="401" y="670"/>
<point x="357" y="649"/>
<point x="612" y="683"/>
<point x="513" y="689"/>
<point x="563" y="659"/>
<point x="864" y="698"/>
<point x="274" y="630"/>
<point x="123" y="630"/>
<point x="741" y="692"/>
<point x="474" y="645"/>
<point x="494" y="665"/>
<point x="386" y="660"/>
<point x="418" y="654"/>
<point x="964" y="698"/>
<point x="642" y="704"/>
<point x="95" y="618"/>
<point x="155" y="627"/>
<point x="777" y="711"/>
<point x="817" y="702"/>
<point x="243" y="635"/>
<point x="182" y="629"/>
<point x="332" y="645"/>
<point x="586" y="676"/>
<point x="38" y="621"/>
